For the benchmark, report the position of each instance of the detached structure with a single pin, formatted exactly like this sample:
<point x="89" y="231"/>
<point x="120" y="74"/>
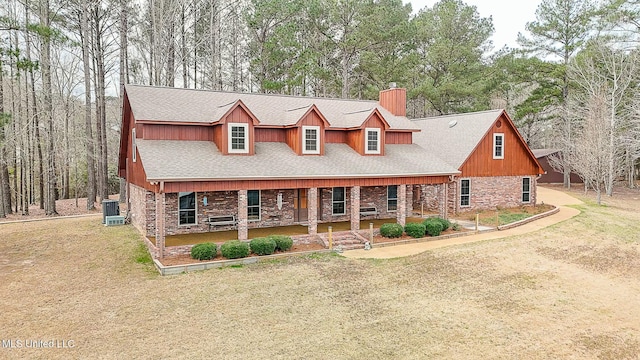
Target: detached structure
<point x="552" y="176"/>
<point x="496" y="166"/>
<point x="200" y="161"/>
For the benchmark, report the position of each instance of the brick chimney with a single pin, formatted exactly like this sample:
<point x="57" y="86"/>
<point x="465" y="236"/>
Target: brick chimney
<point x="394" y="100"/>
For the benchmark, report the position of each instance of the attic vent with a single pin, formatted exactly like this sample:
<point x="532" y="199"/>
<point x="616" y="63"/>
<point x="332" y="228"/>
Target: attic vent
<point x="453" y="123"/>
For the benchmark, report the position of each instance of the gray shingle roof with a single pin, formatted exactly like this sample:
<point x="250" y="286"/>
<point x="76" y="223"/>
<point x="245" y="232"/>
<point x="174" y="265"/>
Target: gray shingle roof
<point x="200" y="160"/>
<point x="188" y="105"/>
<point x="538" y="153"/>
<point x="455" y="143"/>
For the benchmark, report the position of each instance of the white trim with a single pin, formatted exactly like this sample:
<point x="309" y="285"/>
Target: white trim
<point x="469" y="195"/>
<point x="195" y="209"/>
<point x="366" y="141"/>
<point x="259" y="206"/>
<point x="133" y="145"/>
<point x="396" y="198"/>
<point x="344" y="200"/>
<point x="522" y="192"/>
<point x="230" y="127"/>
<point x="495" y="136"/>
<point x="304" y="140"/>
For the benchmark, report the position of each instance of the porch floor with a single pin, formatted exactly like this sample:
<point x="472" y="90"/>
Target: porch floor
<point x="222" y="236"/>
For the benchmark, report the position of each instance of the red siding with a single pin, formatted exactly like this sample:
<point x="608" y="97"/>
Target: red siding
<point x="394" y="100"/>
<point x="177" y="132"/>
<point x="335" y="136"/>
<point x="293" y="139"/>
<point x="270" y="135"/>
<point x="398" y="137"/>
<point x="517" y="159"/>
<point x="297" y="184"/>
<point x="216" y="134"/>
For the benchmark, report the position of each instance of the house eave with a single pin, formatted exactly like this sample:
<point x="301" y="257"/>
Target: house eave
<point x="310" y="177"/>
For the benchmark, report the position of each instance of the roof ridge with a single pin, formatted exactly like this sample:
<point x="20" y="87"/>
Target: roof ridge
<point x="251" y="93"/>
<point x="459" y="114"/>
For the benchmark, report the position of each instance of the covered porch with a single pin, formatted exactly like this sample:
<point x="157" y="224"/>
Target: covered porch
<point x="290" y="230"/>
<point x="207" y="215"/>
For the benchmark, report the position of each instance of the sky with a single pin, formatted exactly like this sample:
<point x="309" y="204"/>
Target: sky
<point x="509" y="17"/>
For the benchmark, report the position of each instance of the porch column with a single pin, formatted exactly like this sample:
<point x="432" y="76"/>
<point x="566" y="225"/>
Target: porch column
<point x="160" y="228"/>
<point x="312" y="208"/>
<point x="401" y="213"/>
<point x="442" y="200"/>
<point x="445" y="207"/>
<point x="409" y="200"/>
<point x="355" y="208"/>
<point x="243" y="232"/>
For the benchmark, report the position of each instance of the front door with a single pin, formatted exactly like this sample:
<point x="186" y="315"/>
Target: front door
<point x="300" y="212"/>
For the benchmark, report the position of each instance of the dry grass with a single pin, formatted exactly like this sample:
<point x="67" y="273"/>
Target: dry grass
<point x="570" y="291"/>
<point x="503" y="216"/>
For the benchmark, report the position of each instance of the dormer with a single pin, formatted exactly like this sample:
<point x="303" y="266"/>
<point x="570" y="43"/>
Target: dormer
<point x="307" y="135"/>
<point x="369" y="138"/>
<point x="234" y="132"/>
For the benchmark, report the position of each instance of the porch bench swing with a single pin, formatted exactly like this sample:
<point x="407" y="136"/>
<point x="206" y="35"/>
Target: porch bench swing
<point x="368" y="210"/>
<point x="221" y="220"/>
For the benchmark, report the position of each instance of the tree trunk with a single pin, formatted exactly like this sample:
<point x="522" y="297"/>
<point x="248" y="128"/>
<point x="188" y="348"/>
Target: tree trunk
<point x="3" y="165"/>
<point x="45" y="58"/>
<point x="123" y="77"/>
<point x="91" y="177"/>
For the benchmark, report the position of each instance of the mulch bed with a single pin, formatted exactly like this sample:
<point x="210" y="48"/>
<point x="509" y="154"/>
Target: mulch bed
<point x="186" y="259"/>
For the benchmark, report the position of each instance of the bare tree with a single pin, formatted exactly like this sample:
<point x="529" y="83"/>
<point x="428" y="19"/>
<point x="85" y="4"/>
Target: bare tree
<point x="602" y="71"/>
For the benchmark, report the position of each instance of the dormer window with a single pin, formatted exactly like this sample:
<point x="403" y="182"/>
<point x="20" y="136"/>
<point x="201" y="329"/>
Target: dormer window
<point x="311" y="139"/>
<point x="238" y="138"/>
<point x="372" y="141"/>
<point x="498" y="146"/>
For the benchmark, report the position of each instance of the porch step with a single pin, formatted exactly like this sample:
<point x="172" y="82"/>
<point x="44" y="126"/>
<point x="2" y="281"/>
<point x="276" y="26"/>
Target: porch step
<point x="344" y="240"/>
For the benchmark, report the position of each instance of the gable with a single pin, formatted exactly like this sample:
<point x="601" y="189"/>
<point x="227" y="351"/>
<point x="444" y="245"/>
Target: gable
<point x="518" y="159"/>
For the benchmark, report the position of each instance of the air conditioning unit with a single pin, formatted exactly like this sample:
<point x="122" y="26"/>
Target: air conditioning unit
<point x="114" y="220"/>
<point x="109" y="208"/>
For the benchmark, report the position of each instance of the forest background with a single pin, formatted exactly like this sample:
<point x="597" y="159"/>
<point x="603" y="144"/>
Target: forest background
<point x="570" y="84"/>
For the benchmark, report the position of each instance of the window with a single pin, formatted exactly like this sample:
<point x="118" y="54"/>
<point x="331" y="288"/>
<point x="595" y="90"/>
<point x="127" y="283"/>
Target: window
<point x="372" y="141"/>
<point x="498" y="146"/>
<point x="392" y="198"/>
<point x="253" y="205"/>
<point x="526" y="189"/>
<point x="465" y="192"/>
<point x="338" y="201"/>
<point x="186" y="208"/>
<point x="133" y="144"/>
<point x="238" y="138"/>
<point x="311" y="139"/>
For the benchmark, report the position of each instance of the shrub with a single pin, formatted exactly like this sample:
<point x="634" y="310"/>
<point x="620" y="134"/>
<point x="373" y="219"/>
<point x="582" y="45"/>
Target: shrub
<point x="204" y="251"/>
<point x="455" y="226"/>
<point x="444" y="222"/>
<point x="283" y="242"/>
<point x="263" y="246"/>
<point x="433" y="226"/>
<point x="234" y="249"/>
<point x="415" y="230"/>
<point x="391" y="230"/>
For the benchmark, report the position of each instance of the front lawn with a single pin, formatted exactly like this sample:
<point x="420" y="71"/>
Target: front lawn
<point x="506" y="216"/>
<point x="568" y="291"/>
